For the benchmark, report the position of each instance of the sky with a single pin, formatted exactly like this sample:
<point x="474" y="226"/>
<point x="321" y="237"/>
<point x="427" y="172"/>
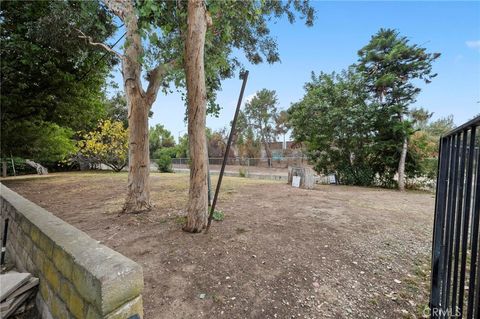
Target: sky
<point x="339" y="31"/>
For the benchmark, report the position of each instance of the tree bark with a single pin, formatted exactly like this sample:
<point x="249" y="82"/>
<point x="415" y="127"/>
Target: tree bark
<point x="268" y="152"/>
<point x="401" y="165"/>
<point x="197" y="99"/>
<point x="139" y="103"/>
<point x="138" y="186"/>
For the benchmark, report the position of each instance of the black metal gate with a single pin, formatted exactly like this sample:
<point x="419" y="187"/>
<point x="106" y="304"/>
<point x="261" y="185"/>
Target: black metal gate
<point x="455" y="285"/>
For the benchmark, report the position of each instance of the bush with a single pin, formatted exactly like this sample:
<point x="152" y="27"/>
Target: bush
<point x="218" y="215"/>
<point x="163" y="159"/>
<point x="359" y="176"/>
<point x="429" y="167"/>
<point x="107" y="144"/>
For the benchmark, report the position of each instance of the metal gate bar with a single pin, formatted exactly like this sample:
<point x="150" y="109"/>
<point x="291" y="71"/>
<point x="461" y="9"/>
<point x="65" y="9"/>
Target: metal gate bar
<point x="455" y="278"/>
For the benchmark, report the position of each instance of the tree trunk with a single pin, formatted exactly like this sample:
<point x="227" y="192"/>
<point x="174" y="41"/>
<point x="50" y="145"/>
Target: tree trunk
<point x="138" y="187"/>
<point x="268" y="152"/>
<point x="139" y="103"/>
<point x="401" y="165"/>
<point x="197" y="100"/>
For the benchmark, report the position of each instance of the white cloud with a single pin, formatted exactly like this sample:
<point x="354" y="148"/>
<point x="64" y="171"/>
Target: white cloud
<point x="473" y="44"/>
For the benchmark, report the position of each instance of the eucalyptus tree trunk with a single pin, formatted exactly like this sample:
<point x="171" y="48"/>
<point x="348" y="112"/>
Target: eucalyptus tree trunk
<point x="139" y="103"/>
<point x="197" y="100"/>
<point x="268" y="152"/>
<point x="401" y="165"/>
<point x="138" y="186"/>
<point x="403" y="157"/>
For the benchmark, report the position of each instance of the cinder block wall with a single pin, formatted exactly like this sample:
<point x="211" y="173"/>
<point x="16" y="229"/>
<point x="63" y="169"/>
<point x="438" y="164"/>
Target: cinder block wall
<point x="79" y="277"/>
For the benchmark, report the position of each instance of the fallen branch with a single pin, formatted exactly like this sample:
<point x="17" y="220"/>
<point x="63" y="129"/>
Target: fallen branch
<point x="40" y="169"/>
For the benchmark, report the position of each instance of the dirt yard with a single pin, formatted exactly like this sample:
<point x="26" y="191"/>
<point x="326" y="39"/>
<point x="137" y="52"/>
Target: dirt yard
<point x="281" y="252"/>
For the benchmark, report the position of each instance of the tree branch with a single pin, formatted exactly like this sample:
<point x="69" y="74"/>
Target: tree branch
<point x="155" y="78"/>
<point x="102" y="45"/>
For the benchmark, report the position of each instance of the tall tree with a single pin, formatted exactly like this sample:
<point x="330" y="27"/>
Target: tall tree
<point x="139" y="101"/>
<point x="51" y="80"/>
<point x="261" y="112"/>
<point x="159" y="137"/>
<point x="197" y="22"/>
<point x="391" y="65"/>
<point x="281" y="125"/>
<point x="335" y="122"/>
<point x="231" y="25"/>
<point x="235" y="25"/>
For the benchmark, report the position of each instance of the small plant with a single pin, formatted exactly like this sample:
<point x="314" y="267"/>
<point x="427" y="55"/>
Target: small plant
<point x="163" y="159"/>
<point x="218" y="215"/>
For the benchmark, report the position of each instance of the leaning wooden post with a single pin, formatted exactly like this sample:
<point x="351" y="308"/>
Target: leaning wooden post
<point x="227" y="150"/>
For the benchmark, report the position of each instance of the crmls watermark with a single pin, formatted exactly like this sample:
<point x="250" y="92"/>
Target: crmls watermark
<point x="441" y="313"/>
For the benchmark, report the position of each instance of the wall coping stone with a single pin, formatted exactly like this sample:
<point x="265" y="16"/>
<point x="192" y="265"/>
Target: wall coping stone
<point x="104" y="277"/>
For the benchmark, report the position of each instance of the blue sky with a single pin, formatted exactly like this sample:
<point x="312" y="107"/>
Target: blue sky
<point x="341" y="28"/>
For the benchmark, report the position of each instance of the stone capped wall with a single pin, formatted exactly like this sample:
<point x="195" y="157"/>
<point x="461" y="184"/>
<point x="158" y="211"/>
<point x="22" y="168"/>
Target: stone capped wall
<point x="79" y="277"/>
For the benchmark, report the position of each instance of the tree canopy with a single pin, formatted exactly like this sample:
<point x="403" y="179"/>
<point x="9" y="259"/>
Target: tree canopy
<point x="237" y="27"/>
<point x="358" y="124"/>
<point x="390" y="65"/>
<point x="261" y="114"/>
<point x="335" y="123"/>
<point x="52" y="81"/>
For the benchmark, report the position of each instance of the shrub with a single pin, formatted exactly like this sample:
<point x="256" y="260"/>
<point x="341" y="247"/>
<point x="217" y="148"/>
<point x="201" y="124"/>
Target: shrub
<point x="218" y="215"/>
<point x="107" y="144"/>
<point x="163" y="159"/>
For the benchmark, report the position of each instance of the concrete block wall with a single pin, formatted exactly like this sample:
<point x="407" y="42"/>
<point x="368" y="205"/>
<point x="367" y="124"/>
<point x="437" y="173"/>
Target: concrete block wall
<point x="79" y="277"/>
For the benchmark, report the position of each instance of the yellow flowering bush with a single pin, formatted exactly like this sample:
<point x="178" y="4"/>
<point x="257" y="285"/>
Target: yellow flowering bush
<point x="108" y="144"/>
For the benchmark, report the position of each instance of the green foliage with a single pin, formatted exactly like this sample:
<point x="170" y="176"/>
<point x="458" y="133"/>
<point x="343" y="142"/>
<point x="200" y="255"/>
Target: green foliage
<point x="218" y="215"/>
<point x="116" y="109"/>
<point x="237" y="26"/>
<point x="260" y="113"/>
<point x="20" y="165"/>
<point x="163" y="159"/>
<point x="44" y="62"/>
<point x="440" y="127"/>
<point x="47" y="142"/>
<point x="248" y="144"/>
<point x="281" y="123"/>
<point x="354" y="123"/>
<point x="391" y="65"/>
<point x="108" y="145"/>
<point x="182" y="147"/>
<point x="335" y="123"/>
<point x="423" y="145"/>
<point x="159" y="137"/>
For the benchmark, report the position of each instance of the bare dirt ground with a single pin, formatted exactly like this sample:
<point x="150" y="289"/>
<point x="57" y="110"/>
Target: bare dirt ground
<point x="281" y="252"/>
